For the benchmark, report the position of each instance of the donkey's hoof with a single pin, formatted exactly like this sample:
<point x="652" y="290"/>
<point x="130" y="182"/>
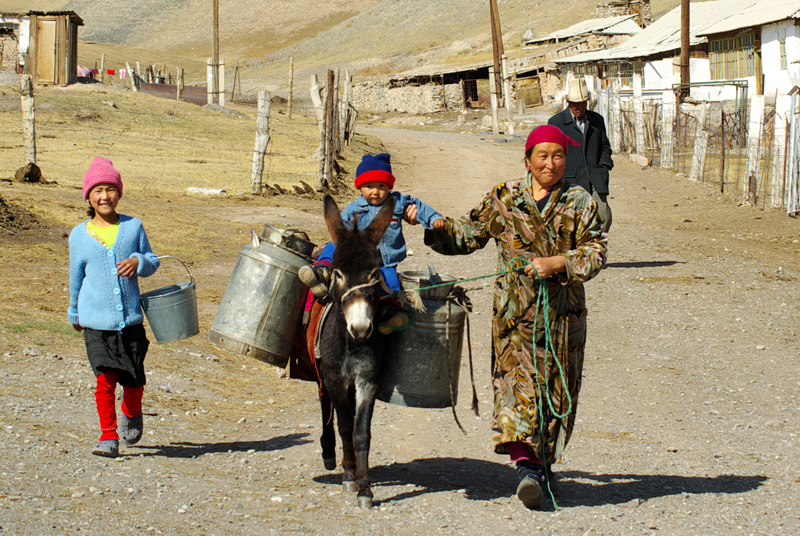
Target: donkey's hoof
<point x="349" y="486"/>
<point x="329" y="463"/>
<point x="365" y="502"/>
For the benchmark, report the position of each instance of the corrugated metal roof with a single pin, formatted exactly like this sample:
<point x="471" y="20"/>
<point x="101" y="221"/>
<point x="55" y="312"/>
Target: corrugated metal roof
<point x="611" y="25"/>
<point x="705" y="18"/>
<point x="661" y="36"/>
<point x="754" y="13"/>
<point x="441" y="69"/>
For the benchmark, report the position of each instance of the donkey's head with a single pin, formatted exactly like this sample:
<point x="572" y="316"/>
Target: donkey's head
<point x="356" y="263"/>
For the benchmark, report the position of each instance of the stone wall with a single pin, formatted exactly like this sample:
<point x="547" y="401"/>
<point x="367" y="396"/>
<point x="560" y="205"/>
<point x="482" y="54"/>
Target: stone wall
<point x="8" y="52"/>
<point x="453" y="96"/>
<point x="617" y="8"/>
<point x="409" y="99"/>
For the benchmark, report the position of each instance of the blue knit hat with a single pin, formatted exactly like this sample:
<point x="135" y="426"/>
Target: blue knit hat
<point x="374" y="168"/>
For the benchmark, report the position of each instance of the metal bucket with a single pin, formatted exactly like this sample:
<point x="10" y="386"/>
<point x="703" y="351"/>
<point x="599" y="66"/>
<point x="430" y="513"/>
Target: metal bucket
<point x="417" y="279"/>
<point x="260" y="312"/>
<point x="172" y="311"/>
<point x="422" y="363"/>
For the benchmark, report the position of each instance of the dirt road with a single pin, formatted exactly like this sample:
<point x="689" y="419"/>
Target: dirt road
<point x="687" y="424"/>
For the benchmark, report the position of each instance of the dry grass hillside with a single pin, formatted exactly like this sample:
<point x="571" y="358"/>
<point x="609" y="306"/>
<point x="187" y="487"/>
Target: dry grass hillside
<point x="379" y="33"/>
<point x="371" y="37"/>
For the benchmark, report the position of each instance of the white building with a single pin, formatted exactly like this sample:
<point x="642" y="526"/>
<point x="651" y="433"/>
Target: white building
<point x="752" y="41"/>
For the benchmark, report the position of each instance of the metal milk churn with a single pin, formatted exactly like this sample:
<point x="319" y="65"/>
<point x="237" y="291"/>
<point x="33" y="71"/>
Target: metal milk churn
<point x="260" y="312"/>
<point x="422" y="363"/>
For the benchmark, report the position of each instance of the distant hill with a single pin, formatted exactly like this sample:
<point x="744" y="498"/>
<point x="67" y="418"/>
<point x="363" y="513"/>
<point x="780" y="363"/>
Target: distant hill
<point x="370" y="36"/>
<point x="252" y="29"/>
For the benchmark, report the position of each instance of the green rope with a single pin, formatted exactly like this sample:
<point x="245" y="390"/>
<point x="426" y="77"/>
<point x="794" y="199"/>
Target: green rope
<point x="543" y="301"/>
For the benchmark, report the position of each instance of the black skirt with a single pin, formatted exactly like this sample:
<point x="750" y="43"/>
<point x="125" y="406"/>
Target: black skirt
<point x="123" y="351"/>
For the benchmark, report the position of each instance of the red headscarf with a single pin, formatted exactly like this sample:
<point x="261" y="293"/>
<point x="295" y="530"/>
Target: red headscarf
<point x="549" y="134"/>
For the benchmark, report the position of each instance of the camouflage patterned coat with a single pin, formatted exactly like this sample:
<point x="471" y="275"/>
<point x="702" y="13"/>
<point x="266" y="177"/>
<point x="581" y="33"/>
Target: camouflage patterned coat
<point x="567" y="226"/>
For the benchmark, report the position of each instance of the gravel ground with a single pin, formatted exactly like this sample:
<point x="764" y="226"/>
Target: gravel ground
<point x="687" y="424"/>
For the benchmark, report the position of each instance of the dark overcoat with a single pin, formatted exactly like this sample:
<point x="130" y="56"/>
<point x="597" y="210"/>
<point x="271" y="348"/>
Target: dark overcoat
<point x="585" y="164"/>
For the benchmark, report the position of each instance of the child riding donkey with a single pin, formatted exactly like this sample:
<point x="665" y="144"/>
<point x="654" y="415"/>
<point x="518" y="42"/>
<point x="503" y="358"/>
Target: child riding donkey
<point x="374" y="180"/>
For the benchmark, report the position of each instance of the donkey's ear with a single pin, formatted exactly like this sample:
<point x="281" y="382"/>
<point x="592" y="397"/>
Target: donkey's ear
<point x="333" y="219"/>
<point x="378" y="226"/>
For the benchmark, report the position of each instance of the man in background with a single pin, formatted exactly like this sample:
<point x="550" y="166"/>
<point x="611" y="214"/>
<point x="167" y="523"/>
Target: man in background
<point x="588" y="164"/>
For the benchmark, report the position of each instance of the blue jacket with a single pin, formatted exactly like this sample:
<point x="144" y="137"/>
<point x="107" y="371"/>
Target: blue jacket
<point x="98" y="297"/>
<point x="393" y="245"/>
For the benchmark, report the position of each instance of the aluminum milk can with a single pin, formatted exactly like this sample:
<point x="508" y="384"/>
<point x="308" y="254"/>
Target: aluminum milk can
<point x="260" y="313"/>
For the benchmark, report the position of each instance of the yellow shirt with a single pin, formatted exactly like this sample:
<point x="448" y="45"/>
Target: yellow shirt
<point x="105" y="235"/>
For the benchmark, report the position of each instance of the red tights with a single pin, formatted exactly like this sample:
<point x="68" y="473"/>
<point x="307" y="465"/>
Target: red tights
<point x="106" y="406"/>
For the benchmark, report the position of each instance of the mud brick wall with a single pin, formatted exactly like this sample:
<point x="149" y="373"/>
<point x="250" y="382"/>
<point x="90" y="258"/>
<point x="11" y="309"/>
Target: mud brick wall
<point x="8" y="52"/>
<point x="409" y="99"/>
<point x="616" y="8"/>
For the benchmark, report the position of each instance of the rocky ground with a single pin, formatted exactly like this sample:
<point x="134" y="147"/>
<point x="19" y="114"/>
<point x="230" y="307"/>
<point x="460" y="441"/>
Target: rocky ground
<point x="687" y="424"/>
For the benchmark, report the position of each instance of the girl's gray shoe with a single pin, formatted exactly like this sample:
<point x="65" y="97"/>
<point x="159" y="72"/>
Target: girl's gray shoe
<point x="315" y="279"/>
<point x="130" y="429"/>
<point x="108" y="448"/>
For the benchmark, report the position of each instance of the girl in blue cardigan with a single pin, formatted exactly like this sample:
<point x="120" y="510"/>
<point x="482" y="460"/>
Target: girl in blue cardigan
<point x="107" y="254"/>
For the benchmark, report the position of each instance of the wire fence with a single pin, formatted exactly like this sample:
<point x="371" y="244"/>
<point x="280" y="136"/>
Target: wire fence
<point x="746" y="148"/>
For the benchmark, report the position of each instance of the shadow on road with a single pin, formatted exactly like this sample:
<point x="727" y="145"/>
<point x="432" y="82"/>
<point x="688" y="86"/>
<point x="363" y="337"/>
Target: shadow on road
<point x="578" y="488"/>
<point x="483" y="481"/>
<point x="642" y="264"/>
<point x="192" y="450"/>
<point x="480" y="479"/>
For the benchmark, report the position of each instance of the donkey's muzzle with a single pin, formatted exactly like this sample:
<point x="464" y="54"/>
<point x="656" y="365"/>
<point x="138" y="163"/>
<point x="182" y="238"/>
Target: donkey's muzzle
<point x="358" y="317"/>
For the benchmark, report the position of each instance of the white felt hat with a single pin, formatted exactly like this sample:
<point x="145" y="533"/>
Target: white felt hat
<point x="577" y="90"/>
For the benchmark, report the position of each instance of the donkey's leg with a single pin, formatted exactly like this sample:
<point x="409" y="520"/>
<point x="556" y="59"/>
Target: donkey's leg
<point x="365" y="405"/>
<point x="328" y="438"/>
<point x="344" y="421"/>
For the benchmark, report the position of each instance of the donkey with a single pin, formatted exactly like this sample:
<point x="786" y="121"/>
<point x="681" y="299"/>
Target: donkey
<point x="350" y="348"/>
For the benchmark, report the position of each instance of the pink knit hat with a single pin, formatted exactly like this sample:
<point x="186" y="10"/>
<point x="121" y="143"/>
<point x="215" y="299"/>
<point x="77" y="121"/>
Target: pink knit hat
<point x="101" y="171"/>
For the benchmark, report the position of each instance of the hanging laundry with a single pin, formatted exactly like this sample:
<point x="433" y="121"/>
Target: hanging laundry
<point x="84" y="72"/>
<point x="94" y="72"/>
<point x="122" y="73"/>
<point x="111" y="71"/>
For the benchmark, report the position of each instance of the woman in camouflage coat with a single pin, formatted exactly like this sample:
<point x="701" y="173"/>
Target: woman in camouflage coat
<point x="554" y="225"/>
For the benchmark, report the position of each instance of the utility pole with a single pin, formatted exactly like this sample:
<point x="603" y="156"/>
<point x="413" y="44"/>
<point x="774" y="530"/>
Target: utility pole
<point x="215" y="50"/>
<point x="497" y="45"/>
<point x="685" y="77"/>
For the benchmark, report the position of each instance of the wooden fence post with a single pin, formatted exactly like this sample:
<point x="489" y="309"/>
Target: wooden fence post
<point x="291" y="88"/>
<point x="336" y="133"/>
<point x="493" y="99"/>
<point x="638" y="113"/>
<point x="28" y="120"/>
<point x="507" y="92"/>
<point x="102" y="67"/>
<point x="616" y="117"/>
<point x="134" y="77"/>
<point x="209" y="81"/>
<point x="700" y="144"/>
<point x="329" y="124"/>
<point x="667" y="127"/>
<point x="221" y="79"/>
<point x="180" y="83"/>
<point x="262" y="139"/>
<point x="345" y="115"/>
<point x="316" y="99"/>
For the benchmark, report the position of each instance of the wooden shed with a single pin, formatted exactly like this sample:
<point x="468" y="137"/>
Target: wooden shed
<point x="52" y="56"/>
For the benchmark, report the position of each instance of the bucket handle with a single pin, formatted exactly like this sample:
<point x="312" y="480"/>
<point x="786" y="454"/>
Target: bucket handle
<point x="180" y="261"/>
